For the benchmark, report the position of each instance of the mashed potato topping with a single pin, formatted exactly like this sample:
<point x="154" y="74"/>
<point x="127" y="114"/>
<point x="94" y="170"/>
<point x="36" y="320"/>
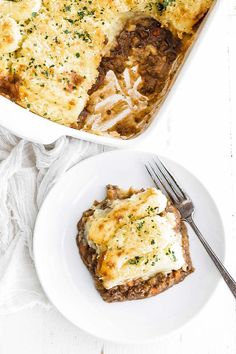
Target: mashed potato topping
<point x="135" y="238"/>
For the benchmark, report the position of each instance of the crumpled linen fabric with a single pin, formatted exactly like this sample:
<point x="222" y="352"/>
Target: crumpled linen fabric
<point x="27" y="173"/>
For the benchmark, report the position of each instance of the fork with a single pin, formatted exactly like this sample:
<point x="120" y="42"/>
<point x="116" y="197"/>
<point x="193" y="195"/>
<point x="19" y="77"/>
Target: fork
<point x="164" y="180"/>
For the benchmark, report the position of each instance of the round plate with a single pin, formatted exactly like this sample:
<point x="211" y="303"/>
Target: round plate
<point x="67" y="281"/>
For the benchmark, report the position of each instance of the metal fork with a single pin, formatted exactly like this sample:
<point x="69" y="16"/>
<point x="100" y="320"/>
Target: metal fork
<point x="164" y="180"/>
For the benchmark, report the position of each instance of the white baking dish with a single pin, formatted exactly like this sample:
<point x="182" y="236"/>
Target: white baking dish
<point x="32" y="127"/>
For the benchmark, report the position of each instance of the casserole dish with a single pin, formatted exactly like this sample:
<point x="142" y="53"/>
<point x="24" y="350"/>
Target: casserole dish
<point x="28" y="125"/>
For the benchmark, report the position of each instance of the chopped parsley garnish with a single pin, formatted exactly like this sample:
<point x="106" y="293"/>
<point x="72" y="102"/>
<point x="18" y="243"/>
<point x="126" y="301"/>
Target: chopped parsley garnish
<point x="135" y="260"/>
<point x="67" y="8"/>
<point x="69" y="20"/>
<point x="162" y="5"/>
<point x="140" y="225"/>
<point x="77" y="55"/>
<point x="168" y="252"/>
<point x="174" y="256"/>
<point x="151" y="209"/>
<point x="85" y="12"/>
<point x="81" y="14"/>
<point x="171" y="254"/>
<point x="85" y="36"/>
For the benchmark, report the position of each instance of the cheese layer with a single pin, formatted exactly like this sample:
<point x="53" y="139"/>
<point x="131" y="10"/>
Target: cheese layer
<point x="135" y="238"/>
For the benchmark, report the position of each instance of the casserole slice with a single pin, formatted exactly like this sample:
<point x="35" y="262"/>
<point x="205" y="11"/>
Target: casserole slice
<point x="134" y="244"/>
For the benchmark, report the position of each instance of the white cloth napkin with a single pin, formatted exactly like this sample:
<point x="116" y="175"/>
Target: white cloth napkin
<point x="27" y="173"/>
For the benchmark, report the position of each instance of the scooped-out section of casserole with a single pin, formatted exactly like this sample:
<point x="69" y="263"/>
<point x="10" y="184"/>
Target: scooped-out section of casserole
<point x="100" y="66"/>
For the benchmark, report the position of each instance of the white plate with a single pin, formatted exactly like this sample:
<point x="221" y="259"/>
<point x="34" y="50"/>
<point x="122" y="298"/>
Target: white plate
<point x="68" y="283"/>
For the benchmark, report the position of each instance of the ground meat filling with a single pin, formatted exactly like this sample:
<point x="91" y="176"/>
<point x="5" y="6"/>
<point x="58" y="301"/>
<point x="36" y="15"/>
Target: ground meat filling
<point x="154" y="50"/>
<point x="9" y="86"/>
<point x="137" y="289"/>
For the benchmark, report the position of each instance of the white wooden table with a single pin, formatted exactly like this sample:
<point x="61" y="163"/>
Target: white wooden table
<point x="199" y="132"/>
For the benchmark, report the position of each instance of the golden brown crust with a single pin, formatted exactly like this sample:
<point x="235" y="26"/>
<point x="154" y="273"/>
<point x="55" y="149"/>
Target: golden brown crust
<point x="139" y="288"/>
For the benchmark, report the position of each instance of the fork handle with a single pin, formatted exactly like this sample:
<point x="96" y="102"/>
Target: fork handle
<point x="225" y="274"/>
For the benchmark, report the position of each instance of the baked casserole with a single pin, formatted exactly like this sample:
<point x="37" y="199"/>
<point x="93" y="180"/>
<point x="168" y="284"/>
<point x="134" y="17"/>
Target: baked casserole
<point x="100" y="66"/>
<point x="134" y="244"/>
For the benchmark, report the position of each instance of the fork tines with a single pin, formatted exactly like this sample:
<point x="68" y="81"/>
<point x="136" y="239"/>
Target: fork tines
<point x="164" y="180"/>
